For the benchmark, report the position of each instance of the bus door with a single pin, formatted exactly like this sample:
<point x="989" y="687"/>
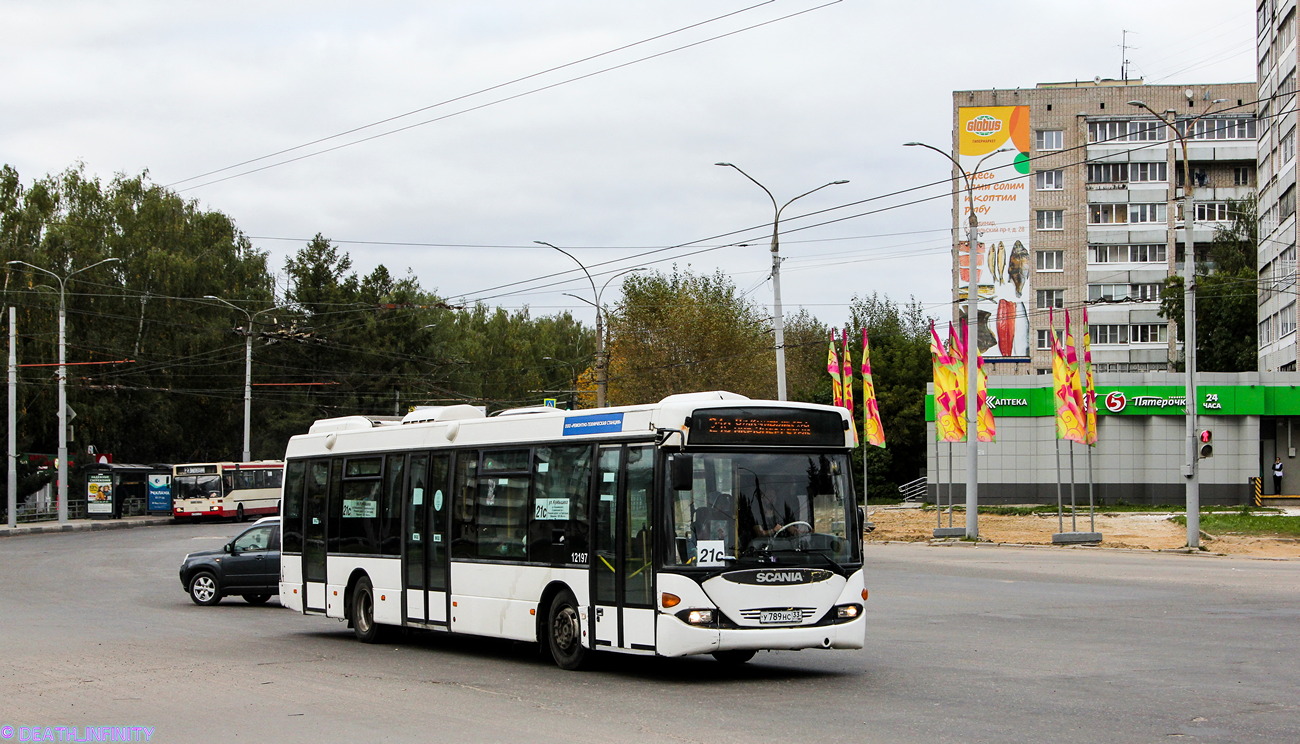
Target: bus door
<point x="623" y="575"/>
<point x="426" y="553"/>
<point x="313" y="529"/>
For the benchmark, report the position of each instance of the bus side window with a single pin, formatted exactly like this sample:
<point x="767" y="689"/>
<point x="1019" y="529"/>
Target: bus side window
<point x="464" y="541"/>
<point x="294" y="494"/>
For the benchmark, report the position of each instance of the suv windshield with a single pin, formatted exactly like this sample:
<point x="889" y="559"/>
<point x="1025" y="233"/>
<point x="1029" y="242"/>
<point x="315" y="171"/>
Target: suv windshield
<point x="751" y="508"/>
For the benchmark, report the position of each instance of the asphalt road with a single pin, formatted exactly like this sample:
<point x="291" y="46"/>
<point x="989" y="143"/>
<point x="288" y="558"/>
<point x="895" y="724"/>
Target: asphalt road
<point x="966" y="645"/>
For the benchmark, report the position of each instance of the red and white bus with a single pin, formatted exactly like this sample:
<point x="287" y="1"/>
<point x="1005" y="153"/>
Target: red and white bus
<point x="707" y="523"/>
<point x="226" y="489"/>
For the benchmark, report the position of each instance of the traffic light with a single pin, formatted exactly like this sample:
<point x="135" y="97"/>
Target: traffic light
<point x="1207" y="448"/>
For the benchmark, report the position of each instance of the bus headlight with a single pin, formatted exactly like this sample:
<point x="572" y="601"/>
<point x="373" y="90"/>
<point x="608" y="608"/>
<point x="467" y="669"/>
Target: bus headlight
<point x="848" y="612"/>
<point x="700" y="617"/>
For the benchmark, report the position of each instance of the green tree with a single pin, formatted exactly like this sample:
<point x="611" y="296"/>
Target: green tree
<point x="686" y="332"/>
<point x="1227" y="299"/>
<point x="153" y="393"/>
<point x="900" y="362"/>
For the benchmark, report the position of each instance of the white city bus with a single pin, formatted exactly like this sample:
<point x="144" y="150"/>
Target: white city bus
<point x="707" y="523"/>
<point x="226" y="489"/>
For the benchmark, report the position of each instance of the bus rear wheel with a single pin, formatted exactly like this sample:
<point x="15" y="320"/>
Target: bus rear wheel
<point x="363" y="612"/>
<point x="564" y="634"/>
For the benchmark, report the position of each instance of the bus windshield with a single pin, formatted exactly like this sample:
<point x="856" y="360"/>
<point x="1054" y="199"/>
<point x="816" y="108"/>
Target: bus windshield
<point x="763" y="508"/>
<point x="197" y="486"/>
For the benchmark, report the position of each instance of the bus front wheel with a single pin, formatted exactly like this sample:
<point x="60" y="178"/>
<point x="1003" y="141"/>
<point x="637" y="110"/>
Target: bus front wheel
<point x="565" y="632"/>
<point x="734" y="657"/>
<point x="363" y="612"/>
<point x="239" y="514"/>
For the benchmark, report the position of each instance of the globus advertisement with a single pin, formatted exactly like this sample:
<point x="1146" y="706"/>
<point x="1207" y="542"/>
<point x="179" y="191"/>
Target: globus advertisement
<point x="1003" y="261"/>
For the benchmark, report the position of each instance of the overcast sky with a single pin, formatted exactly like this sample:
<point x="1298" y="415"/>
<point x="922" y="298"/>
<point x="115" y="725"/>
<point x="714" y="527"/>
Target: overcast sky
<point x="594" y="126"/>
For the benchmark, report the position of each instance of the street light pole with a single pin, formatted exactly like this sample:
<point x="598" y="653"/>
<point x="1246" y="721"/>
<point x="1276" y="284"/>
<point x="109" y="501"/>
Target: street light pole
<point x="972" y="339"/>
<point x="248" y="370"/>
<point x="778" y="320"/>
<point x="63" y="378"/>
<point x="601" y="380"/>
<point x="602" y="357"/>
<point x="1193" y="486"/>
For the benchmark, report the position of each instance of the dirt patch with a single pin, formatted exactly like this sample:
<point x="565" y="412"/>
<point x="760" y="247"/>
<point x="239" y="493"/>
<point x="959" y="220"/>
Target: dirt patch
<point x="1134" y="531"/>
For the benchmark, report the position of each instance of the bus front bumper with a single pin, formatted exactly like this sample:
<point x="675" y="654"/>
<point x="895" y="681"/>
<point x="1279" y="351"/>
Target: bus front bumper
<point x="676" y="638"/>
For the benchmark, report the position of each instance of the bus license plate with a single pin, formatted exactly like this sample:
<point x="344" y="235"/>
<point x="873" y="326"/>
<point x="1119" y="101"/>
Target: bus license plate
<point x="780" y="616"/>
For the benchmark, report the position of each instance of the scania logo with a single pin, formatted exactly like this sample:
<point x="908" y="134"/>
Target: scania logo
<point x="778" y="576"/>
<point x="1115" y="401"/>
<point x="984" y="126"/>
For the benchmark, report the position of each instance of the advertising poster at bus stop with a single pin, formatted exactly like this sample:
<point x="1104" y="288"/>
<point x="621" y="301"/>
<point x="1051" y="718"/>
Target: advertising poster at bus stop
<point x="99" y="493"/>
<point x="160" y="492"/>
<point x="1003" y="259"/>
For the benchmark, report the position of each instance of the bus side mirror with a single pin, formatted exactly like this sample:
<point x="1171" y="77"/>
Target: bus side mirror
<point x="682" y="472"/>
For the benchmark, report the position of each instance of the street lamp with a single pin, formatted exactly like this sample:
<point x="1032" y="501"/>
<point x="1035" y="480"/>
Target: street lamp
<point x="248" y="367"/>
<point x="1193" y="487"/>
<point x="63" y="378"/>
<point x="972" y="338"/>
<point x="778" y="321"/>
<point x="602" y="358"/>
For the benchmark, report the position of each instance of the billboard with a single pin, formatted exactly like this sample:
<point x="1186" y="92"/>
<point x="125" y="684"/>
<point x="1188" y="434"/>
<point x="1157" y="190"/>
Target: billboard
<point x="1003" y="261"/>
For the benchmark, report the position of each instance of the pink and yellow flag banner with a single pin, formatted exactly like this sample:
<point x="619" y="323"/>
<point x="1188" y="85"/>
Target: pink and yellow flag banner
<point x="872" y="429"/>
<point x="1089" y="387"/>
<point x="846" y="369"/>
<point x="948" y="423"/>
<point x="1065" y="385"/>
<point x="986" y="428"/>
<point x="833" y="368"/>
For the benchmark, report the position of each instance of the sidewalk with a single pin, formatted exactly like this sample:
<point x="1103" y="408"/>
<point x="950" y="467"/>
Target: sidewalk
<point x="81" y="525"/>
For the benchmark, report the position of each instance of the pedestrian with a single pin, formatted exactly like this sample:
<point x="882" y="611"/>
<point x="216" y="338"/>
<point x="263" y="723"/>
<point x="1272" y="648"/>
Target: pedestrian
<point x="1277" y="476"/>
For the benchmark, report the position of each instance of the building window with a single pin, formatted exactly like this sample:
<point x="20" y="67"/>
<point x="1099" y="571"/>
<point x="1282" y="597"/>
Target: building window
<point x="1108" y="334"/>
<point x="1051" y="219"/>
<point x="1145" y="292"/>
<point x="1287" y="146"/>
<point x="1286" y="321"/>
<point x="1107" y="214"/>
<point x="1148" y="172"/>
<point x="1146" y="130"/>
<point x="1123" y="292"/>
<point x="1286" y="204"/>
<point x="1212" y="212"/>
<point x="1266" y="331"/>
<point x="1148" y="253"/>
<point x="1147" y="212"/>
<point x="1107" y="172"/>
<point x="1107" y="131"/>
<point x="1241" y="175"/>
<point x="1286" y="268"/>
<point x="1049" y="180"/>
<point x="1045" y="339"/>
<point x="1139" y="130"/>
<point x="1050" y="260"/>
<point x="1050" y="298"/>
<point x="1219" y="128"/>
<point x="1049" y="139"/>
<point x="1149" y="333"/>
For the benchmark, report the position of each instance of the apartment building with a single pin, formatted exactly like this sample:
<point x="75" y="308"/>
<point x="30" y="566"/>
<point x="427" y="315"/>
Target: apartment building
<point x="1078" y="196"/>
<point x="1276" y="47"/>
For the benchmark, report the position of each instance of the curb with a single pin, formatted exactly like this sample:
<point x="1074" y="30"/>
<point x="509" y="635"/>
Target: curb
<point x="945" y="543"/>
<point x="46" y="528"/>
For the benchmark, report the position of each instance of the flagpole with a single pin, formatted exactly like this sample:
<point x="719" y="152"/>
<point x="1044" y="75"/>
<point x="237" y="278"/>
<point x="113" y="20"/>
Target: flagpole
<point x="1060" y="517"/>
<point x="1074" y="503"/>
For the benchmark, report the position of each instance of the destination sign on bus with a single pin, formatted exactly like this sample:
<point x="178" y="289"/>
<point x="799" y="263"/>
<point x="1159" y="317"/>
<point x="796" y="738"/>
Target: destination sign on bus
<point x="770" y="426"/>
